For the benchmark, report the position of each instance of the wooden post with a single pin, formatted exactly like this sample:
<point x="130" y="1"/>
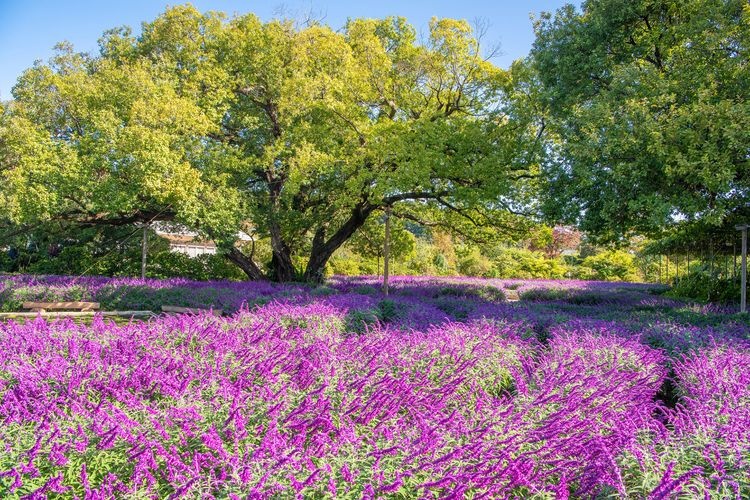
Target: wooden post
<point x="144" y="251"/>
<point x="387" y="250"/>
<point x="743" y="280"/>
<point x="726" y="267"/>
<point x="660" y="268"/>
<point x="743" y="293"/>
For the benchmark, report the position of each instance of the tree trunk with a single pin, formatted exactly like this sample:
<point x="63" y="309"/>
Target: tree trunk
<point x="281" y="259"/>
<point x="282" y="267"/>
<point x="321" y="251"/>
<point x="246" y="264"/>
<point x="144" y="251"/>
<point x="387" y="250"/>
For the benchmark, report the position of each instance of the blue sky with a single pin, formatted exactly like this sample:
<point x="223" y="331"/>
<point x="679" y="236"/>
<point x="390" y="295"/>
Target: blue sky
<point x="30" y="28"/>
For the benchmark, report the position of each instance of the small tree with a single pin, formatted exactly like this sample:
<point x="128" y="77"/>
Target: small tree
<point x="369" y="241"/>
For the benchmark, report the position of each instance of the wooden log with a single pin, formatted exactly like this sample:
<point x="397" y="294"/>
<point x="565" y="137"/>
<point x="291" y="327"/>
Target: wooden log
<point x="190" y="310"/>
<point x="43" y="306"/>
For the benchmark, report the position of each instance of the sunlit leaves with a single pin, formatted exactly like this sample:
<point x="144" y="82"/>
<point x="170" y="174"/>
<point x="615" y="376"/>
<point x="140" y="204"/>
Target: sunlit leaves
<point x="648" y="113"/>
<point x="303" y="129"/>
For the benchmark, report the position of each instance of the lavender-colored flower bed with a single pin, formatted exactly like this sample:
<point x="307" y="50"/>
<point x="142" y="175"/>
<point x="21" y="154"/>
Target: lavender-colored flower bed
<point x="442" y="389"/>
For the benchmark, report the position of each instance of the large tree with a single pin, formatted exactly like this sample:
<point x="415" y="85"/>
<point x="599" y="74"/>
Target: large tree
<point x="300" y="133"/>
<point x="647" y="108"/>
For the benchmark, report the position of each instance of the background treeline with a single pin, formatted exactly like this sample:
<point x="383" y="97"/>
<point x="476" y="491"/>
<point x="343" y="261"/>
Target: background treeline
<point x="107" y="251"/>
<point x="548" y="253"/>
<point x="561" y="252"/>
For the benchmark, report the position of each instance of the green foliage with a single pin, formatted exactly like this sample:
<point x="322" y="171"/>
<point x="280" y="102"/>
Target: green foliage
<point x="64" y="249"/>
<point x="610" y="265"/>
<point x="323" y="291"/>
<point x="304" y="132"/>
<point x="388" y="310"/>
<point x="507" y="262"/>
<point x="347" y="263"/>
<point x="108" y="251"/>
<point x="486" y="293"/>
<point x="449" y="299"/>
<point x="12" y="298"/>
<point x="125" y="298"/>
<point x="543" y="294"/>
<point x="472" y="263"/>
<point x="425" y="260"/>
<point x="358" y="321"/>
<point x="647" y="111"/>
<point x="202" y="268"/>
<point x="456" y="309"/>
<point x="520" y="263"/>
<point x="704" y="287"/>
<point x="369" y="241"/>
<point x="365" y="290"/>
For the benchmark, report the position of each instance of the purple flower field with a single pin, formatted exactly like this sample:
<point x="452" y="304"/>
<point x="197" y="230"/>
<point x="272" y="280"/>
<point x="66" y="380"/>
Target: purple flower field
<point x="444" y="389"/>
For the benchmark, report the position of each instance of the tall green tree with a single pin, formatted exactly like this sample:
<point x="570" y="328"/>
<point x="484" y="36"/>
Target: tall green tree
<point x="647" y="108"/>
<point x="301" y="132"/>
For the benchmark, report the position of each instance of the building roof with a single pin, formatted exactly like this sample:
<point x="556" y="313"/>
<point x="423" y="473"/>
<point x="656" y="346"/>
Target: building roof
<point x="186" y="239"/>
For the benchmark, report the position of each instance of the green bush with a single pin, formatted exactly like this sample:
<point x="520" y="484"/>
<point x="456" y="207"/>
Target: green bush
<point x="359" y="321"/>
<point x="473" y="263"/>
<point x="703" y="287"/>
<point x="610" y="265"/>
<point x="346" y="266"/>
<point x="202" y="268"/>
<point x="527" y="264"/>
<point x="389" y="310"/>
<point x="323" y="291"/>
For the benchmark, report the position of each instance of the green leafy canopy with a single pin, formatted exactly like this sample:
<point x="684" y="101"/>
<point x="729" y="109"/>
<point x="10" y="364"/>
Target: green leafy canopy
<point x="647" y="111"/>
<point x="297" y="134"/>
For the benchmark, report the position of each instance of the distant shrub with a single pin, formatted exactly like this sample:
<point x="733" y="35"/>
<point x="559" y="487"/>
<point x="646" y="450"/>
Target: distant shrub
<point x="451" y="291"/>
<point x="348" y="265"/>
<point x="487" y="292"/>
<point x="703" y="287"/>
<point x="201" y="268"/>
<point x="440" y="262"/>
<point x="388" y="310"/>
<point x="526" y="264"/>
<point x="474" y="263"/>
<point x="365" y="290"/>
<point x="454" y="307"/>
<point x="585" y="298"/>
<point x="359" y="320"/>
<point x="322" y="291"/>
<point x="610" y="265"/>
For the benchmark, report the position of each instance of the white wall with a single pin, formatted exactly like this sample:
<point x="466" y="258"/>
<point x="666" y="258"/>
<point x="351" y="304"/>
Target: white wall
<point x="192" y="250"/>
